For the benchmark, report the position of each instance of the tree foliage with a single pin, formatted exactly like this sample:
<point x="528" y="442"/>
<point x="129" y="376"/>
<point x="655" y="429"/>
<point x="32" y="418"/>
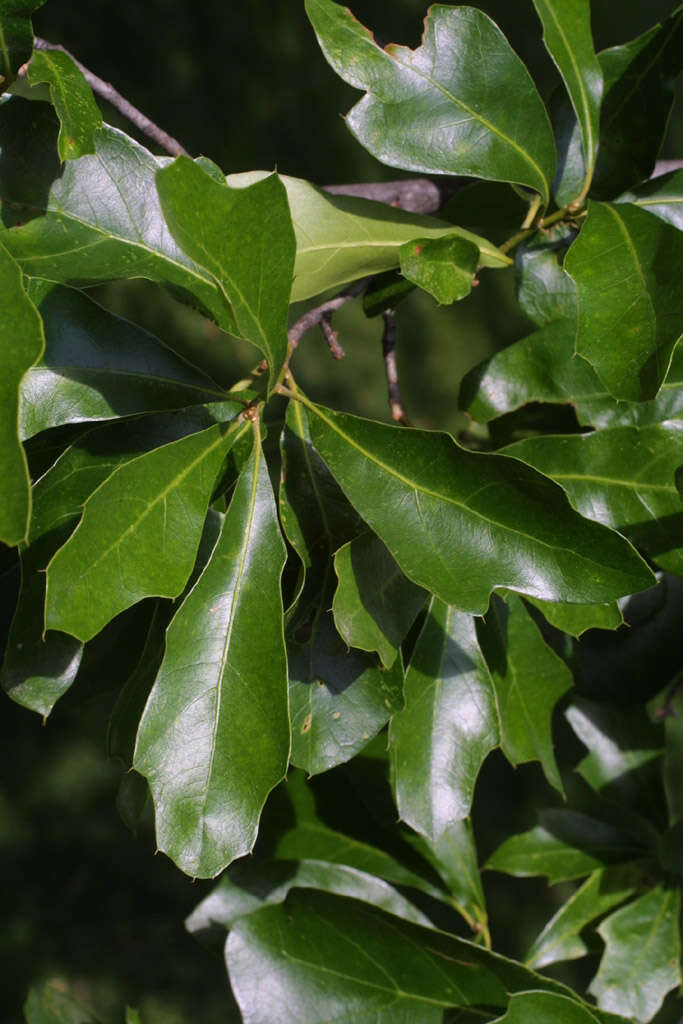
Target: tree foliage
<point x="301" y="589"/>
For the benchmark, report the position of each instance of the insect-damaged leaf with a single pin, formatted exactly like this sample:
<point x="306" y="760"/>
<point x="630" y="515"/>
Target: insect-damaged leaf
<point x="214" y="737"/>
<point x="461" y="523"/>
<point x="445" y="107"/>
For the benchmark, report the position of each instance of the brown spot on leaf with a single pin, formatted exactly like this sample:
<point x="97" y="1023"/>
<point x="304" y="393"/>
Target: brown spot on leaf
<point x="307" y="724"/>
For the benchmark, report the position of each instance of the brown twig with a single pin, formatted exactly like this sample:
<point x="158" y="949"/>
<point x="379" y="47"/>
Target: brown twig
<point x="398" y="413"/>
<point x="416" y="195"/>
<point x="332" y="338"/>
<point x="315" y="317"/>
<point x="109" y="93"/>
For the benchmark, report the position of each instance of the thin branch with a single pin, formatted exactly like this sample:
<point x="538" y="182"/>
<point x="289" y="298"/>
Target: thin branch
<point x="109" y="93"/>
<point x="416" y="195"/>
<point x="315" y="317"/>
<point x="332" y="338"/>
<point x="398" y="413"/>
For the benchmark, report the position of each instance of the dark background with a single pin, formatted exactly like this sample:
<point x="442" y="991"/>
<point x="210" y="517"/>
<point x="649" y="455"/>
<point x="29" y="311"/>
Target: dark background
<point x="87" y="904"/>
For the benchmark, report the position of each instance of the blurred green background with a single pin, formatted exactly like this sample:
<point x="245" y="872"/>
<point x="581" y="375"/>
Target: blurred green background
<point x="88" y="904"/>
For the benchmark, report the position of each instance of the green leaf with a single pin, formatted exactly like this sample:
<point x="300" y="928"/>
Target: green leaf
<point x="244" y="238"/>
<point x="623" y="477"/>
<point x="249" y="885"/>
<point x="444" y="267"/>
<point x="342" y="960"/>
<point x="375" y="604"/>
<point x="621" y="743"/>
<point x="575" y="619"/>
<point x="47" y="1004"/>
<point x="343" y="238"/>
<point x="214" y="737"/>
<point x="339" y="698"/>
<point x="454" y="855"/>
<point x="545" y="291"/>
<point x="16" y="37"/>
<point x="448" y="726"/>
<point x="564" y="846"/>
<point x="97" y="366"/>
<point x="546" y="1008"/>
<point x="639" y="84"/>
<point x="662" y="196"/>
<point x="529" y="679"/>
<point x="79" y="115"/>
<point x="561" y="937"/>
<point x="627" y="265"/>
<point x="641" y="962"/>
<point x="139" y="534"/>
<point x="123" y="235"/>
<point x="442" y="109"/>
<point x="567" y="36"/>
<point x="312" y="839"/>
<point x="21" y="338"/>
<point x="544" y="368"/>
<point x="461" y="523"/>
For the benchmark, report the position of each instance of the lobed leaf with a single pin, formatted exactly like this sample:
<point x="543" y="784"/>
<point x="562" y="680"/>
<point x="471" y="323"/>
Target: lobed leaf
<point x="461" y="523"/>
<point x="22" y="341"/>
<point x="567" y="36"/>
<point x="443" y="108"/>
<point x="529" y="679"/>
<point x="576" y="619"/>
<point x="97" y="366"/>
<point x="214" y="737"/>
<point x="244" y="238"/>
<point x="623" y="477"/>
<point x="626" y="265"/>
<point x="448" y="726"/>
<point x="138" y="536"/>
<point x="79" y="115"/>
<point x="641" y="962"/>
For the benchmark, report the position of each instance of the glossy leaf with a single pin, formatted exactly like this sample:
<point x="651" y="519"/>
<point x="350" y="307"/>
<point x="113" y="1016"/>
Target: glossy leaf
<point x="214" y="737"/>
<point x="312" y="839"/>
<point x="454" y="855"/>
<point x="564" y="846"/>
<point x="385" y="969"/>
<point x="561" y="937"/>
<point x="461" y="523"/>
<point x="641" y="962"/>
<point x="138" y="536"/>
<point x="448" y="726"/>
<point x="624" y="251"/>
<point x="545" y="291"/>
<point x="441" y="108"/>
<point x="662" y="196"/>
<point x="567" y="36"/>
<point x="639" y="79"/>
<point x="16" y="33"/>
<point x="544" y="368"/>
<point x="79" y="115"/>
<point x="444" y="267"/>
<point x="123" y="235"/>
<point x="21" y="339"/>
<point x="244" y="238"/>
<point x="374" y="604"/>
<point x="97" y="366"/>
<point x="624" y="478"/>
<point x="575" y="619"/>
<point x="529" y="679"/>
<point x="343" y="238"/>
<point x="339" y="698"/>
<point x="546" y="1008"/>
<point x="248" y="886"/>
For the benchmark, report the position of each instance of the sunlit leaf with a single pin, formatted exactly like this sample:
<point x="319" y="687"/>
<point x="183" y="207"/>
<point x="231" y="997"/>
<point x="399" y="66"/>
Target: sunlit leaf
<point x="22" y="340"/>
<point x="79" y="115"/>
<point x="214" y="736"/>
<point x="641" y="962"/>
<point x="627" y="265"/>
<point x="546" y="1008"/>
<point x="461" y="523"/>
<point x="448" y="726"/>
<point x="662" y="196"/>
<point x="442" y="108"/>
<point x="444" y="267"/>
<point x="244" y="238"/>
